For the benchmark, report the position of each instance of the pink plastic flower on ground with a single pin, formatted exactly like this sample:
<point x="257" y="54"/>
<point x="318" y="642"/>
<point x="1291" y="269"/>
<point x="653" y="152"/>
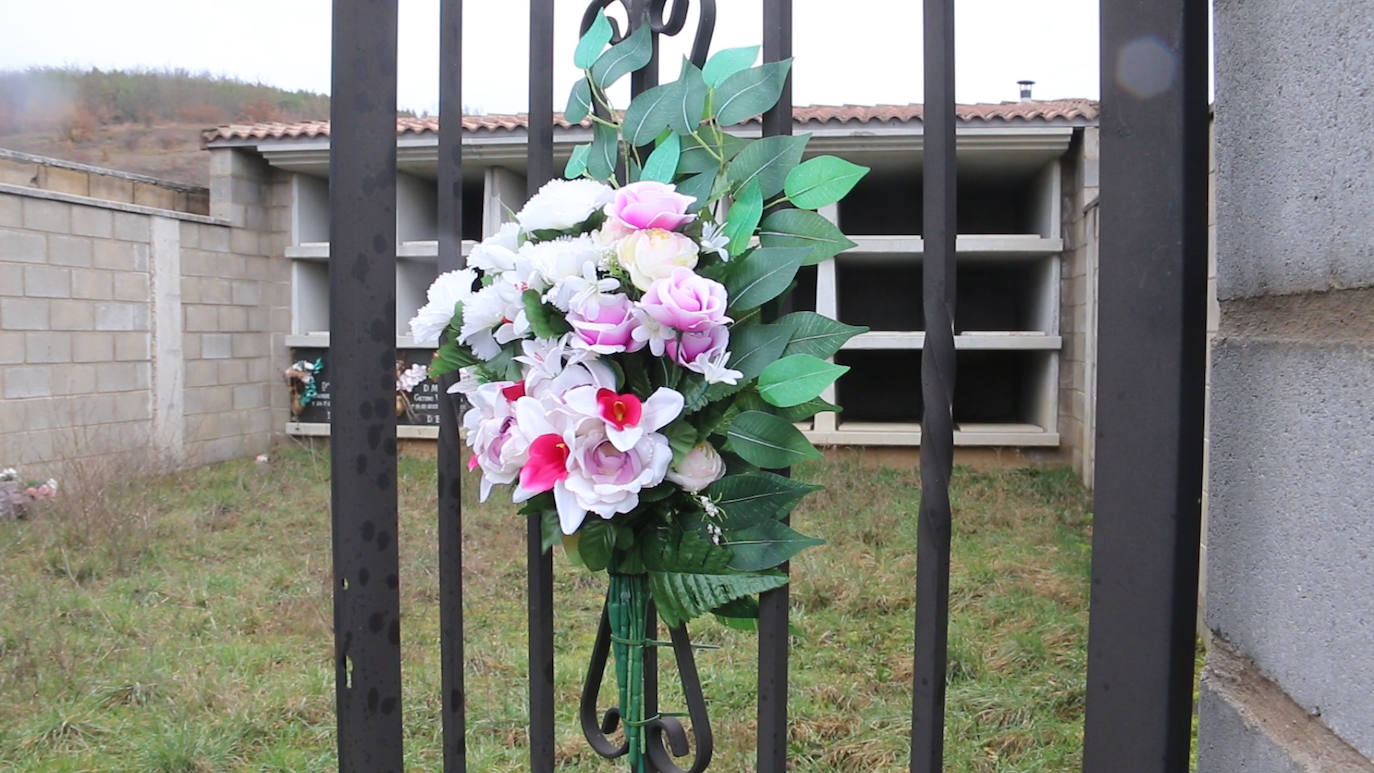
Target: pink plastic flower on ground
<point x="649" y="204"/>
<point x="605" y="326"/>
<point x="686" y="302"/>
<point x="624" y="416"/>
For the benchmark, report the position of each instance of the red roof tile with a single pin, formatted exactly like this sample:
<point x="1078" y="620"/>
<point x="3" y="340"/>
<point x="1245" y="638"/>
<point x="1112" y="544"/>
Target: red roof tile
<point x="1003" y="112"/>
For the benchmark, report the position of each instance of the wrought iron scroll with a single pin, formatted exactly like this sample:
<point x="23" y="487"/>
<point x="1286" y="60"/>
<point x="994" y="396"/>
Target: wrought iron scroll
<point x="670" y="26"/>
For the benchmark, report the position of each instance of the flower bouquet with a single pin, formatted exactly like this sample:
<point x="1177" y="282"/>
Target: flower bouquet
<point x="18" y="493"/>
<point x="620" y="349"/>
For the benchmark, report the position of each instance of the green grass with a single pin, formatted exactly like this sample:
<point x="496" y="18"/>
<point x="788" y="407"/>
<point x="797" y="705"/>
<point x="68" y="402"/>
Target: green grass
<point x="184" y="624"/>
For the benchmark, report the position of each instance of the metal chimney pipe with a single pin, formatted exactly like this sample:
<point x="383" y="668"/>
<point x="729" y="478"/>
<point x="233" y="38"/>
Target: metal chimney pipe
<point x="1025" y="90"/>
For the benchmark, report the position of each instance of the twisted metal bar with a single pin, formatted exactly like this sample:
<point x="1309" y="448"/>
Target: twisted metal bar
<point x="670" y="26"/>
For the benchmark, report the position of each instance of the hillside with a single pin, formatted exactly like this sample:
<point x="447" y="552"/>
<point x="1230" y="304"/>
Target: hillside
<point x="145" y="122"/>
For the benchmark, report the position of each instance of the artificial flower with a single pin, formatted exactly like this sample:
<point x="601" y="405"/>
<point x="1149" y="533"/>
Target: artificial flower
<point x="653" y="253"/>
<point x="649" y="204"/>
<point x="563" y="204"/>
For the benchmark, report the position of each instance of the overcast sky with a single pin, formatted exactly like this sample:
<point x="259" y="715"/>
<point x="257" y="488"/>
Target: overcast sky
<point x="847" y="51"/>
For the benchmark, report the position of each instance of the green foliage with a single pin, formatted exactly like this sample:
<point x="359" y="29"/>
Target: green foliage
<point x="579" y="101"/>
<point x="748" y="498"/>
<point x="623" y="58"/>
<point x="753" y="347"/>
<point x="767" y="161"/>
<point x="593" y="41"/>
<point x="648" y="114"/>
<point x="750" y="92"/>
<point x="802" y="228"/>
<point x="727" y="62"/>
<point x="767" y="441"/>
<point x="661" y="165"/>
<point x="545" y="320"/>
<point x="796" y="379"/>
<point x="577" y="162"/>
<point x="681" y="596"/>
<point x="822" y="180"/>
<point x="604" y="151"/>
<point x="744" y="217"/>
<point x="765" y="545"/>
<point x="762" y="275"/>
<point x="689" y="100"/>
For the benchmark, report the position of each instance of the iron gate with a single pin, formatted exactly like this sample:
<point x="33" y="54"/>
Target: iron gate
<point x="1150" y="387"/>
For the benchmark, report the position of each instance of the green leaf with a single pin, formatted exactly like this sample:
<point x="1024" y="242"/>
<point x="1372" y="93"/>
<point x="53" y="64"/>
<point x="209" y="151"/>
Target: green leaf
<point x="767" y="441"/>
<point x="762" y="275"/>
<point x="677" y="550"/>
<point x="682" y="596"/>
<point x="802" y="228"/>
<point x="579" y="101"/>
<point x="624" y="57"/>
<point x="767" y="160"/>
<point x="740" y="614"/>
<point x="689" y="100"/>
<point x="662" y="163"/>
<point x="765" y="545"/>
<point x="696" y="158"/>
<point x="753" y="347"/>
<point x="727" y="62"/>
<point x="804" y="411"/>
<point x="545" y="320"/>
<point x="816" y="334"/>
<point x="750" y="92"/>
<point x="794" y="380"/>
<point x="750" y="497"/>
<point x="822" y="180"/>
<point x="743" y="217"/>
<point x="450" y="356"/>
<point x="604" y="152"/>
<point x="682" y="436"/>
<point x="699" y="187"/>
<point x="648" y="114"/>
<point x="551" y="533"/>
<point x="577" y="162"/>
<point x="595" y="542"/>
<point x="593" y="41"/>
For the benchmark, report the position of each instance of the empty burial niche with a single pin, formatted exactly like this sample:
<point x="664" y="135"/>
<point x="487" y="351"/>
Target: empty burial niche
<point x="990" y="200"/>
<point x="804" y="291"/>
<point x="1001" y="388"/>
<point x="883" y="293"/>
<point x="1008" y="295"/>
<point x="881" y="386"/>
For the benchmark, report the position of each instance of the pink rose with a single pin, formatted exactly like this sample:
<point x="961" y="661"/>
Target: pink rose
<point x="685" y="301"/>
<point x="606" y="325"/>
<point x="650" y="204"/>
<point x="689" y="347"/>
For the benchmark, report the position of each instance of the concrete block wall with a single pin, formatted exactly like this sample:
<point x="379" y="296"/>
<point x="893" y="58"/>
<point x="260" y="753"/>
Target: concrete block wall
<point x="112" y="316"/>
<point x="1078" y="299"/>
<point x="1289" y="681"/>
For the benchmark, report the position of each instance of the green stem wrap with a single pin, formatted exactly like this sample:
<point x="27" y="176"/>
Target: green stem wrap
<point x="627" y="601"/>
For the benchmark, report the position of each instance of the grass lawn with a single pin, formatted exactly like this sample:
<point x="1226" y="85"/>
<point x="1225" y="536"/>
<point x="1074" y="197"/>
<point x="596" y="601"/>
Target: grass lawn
<point x="184" y="624"/>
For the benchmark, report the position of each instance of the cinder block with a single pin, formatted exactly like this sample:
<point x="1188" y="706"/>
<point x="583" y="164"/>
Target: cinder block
<point x="244" y="293"/>
<point x="135" y="406"/>
<point x="21" y="247"/>
<point x="122" y="376"/>
<point x="121" y="316"/>
<point x="233" y="318"/>
<point x="47" y="282"/>
<point x="216" y="346"/>
<point x="14" y="413"/>
<point x="249" y="396"/>
<point x="214" y="238"/>
<point x="27" y="381"/>
<point x="244" y="242"/>
<point x="130" y="227"/>
<point x="148" y="195"/>
<point x="92" y="221"/>
<point x="131" y="287"/>
<point x="215" y="290"/>
<point x="112" y="189"/>
<point x="190" y="234"/>
<point x="141" y="253"/>
<point x="45" y="215"/>
<point x="51" y="413"/>
<point x="26" y="313"/>
<point x="92" y="347"/>
<point x="47" y="347"/>
<point x="70" y="250"/>
<point x="132" y="346"/>
<point x="15" y="172"/>
<point x="92" y="283"/>
<point x="115" y="255"/>
<point x="11" y="347"/>
<point x="200" y="373"/>
<point x="11" y="213"/>
<point x="56" y="178"/>
<point x="200" y="319"/>
<point x="233" y="372"/>
<point x="250" y="345"/>
<point x="71" y="315"/>
<point x="11" y="281"/>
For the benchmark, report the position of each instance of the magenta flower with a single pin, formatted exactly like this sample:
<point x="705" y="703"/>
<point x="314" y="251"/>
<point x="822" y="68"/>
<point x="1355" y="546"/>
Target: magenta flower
<point x="606" y="325"/>
<point x="690" y="347"/>
<point x="687" y="302"/>
<point x="547" y="465"/>
<point x="649" y="204"/>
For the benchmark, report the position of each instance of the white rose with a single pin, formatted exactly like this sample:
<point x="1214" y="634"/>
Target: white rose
<point x="563" y="204"/>
<point x="653" y="253"/>
<point x="701" y="467"/>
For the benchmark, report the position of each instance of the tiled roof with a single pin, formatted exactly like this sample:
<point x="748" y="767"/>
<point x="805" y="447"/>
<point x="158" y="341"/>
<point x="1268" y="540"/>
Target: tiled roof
<point x="1002" y="112"/>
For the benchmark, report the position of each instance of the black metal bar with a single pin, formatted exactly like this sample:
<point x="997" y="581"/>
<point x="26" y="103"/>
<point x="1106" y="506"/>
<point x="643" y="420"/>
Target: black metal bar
<point x="361" y="362"/>
<point x="450" y="514"/>
<point x="773" y="605"/>
<point x="937" y="391"/>
<point x="1152" y="354"/>
<point x="539" y="170"/>
<point x="645" y="78"/>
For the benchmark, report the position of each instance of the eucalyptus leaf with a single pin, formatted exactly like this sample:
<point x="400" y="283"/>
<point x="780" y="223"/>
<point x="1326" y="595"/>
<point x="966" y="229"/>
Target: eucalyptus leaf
<point x="577" y="162"/>
<point x="579" y="101"/>
<point x="822" y="180"/>
<point x="696" y="157"/>
<point x="816" y="334"/>
<point x="727" y="62"/>
<point x="768" y="160"/>
<point x="766" y="545"/>
<point x="762" y="275"/>
<point x="743" y="217"/>
<point x="661" y="165"/>
<point x="624" y="57"/>
<point x="604" y="152"/>
<point x="796" y="379"/>
<point x="699" y="187"/>
<point x="648" y="114"/>
<point x="802" y="228"/>
<point x="767" y="441"/>
<point x="750" y="92"/>
<point x="593" y="41"/>
<point x="690" y="100"/>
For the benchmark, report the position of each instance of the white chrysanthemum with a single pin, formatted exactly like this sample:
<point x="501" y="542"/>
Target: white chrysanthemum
<point x="447" y="291"/>
<point x="508" y="236"/>
<point x="491" y="258"/>
<point x="562" y="258"/>
<point x="493" y="316"/>
<point x="563" y="204"/>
